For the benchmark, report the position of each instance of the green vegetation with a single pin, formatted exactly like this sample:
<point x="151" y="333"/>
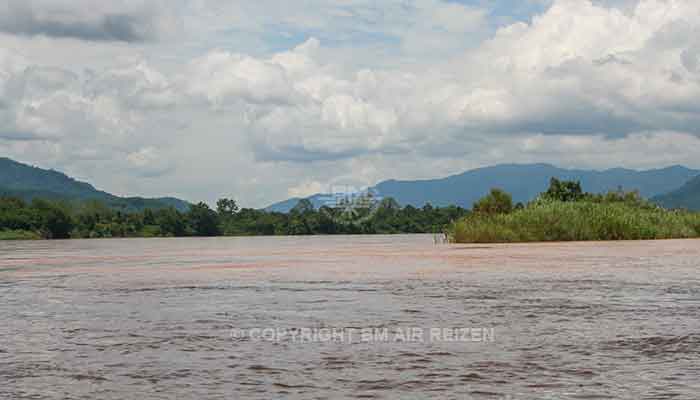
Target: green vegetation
<point x="496" y="202"/>
<point x="18" y="235"/>
<point x="51" y="219"/>
<point x="562" y="213"/>
<point x="566" y="213"/>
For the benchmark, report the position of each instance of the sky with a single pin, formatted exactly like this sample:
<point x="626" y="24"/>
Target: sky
<point x="269" y="99"/>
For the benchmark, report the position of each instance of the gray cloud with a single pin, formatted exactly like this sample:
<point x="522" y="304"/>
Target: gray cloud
<point x="18" y="136"/>
<point x="299" y="153"/>
<point x="137" y="23"/>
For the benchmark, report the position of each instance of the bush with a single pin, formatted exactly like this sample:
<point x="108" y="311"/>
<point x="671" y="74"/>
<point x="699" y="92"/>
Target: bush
<point x="563" y="190"/>
<point x="496" y="202"/>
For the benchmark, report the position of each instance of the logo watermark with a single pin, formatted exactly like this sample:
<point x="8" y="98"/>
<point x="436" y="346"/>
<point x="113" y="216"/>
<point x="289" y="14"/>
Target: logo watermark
<point x="351" y="205"/>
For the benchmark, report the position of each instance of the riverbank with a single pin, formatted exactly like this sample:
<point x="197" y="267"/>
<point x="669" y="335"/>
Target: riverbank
<point x="18" y="235"/>
<point x="65" y="220"/>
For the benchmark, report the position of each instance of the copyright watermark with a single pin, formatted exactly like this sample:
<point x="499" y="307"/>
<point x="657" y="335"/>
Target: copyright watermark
<point x="366" y="335"/>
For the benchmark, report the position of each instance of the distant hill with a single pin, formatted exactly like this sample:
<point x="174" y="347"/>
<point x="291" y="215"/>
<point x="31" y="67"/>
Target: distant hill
<point x="27" y="182"/>
<point x="688" y="196"/>
<point x="523" y="181"/>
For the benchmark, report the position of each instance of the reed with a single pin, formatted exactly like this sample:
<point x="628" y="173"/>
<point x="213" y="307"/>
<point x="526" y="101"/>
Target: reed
<point x="547" y="220"/>
<point x="18" y="235"/>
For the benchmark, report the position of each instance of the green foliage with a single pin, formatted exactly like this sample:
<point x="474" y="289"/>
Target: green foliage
<point x="572" y="221"/>
<point x="204" y="220"/>
<point x="556" y="216"/>
<point x="53" y="218"/>
<point x="226" y="207"/>
<point x="170" y="222"/>
<point x="18" y="235"/>
<point x="304" y="206"/>
<point x="44" y="218"/>
<point x="15" y="215"/>
<point x="94" y="219"/>
<point x="563" y="190"/>
<point x="496" y="202"/>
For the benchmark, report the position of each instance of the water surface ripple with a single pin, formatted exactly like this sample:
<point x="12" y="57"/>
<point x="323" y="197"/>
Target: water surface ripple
<point x="171" y="318"/>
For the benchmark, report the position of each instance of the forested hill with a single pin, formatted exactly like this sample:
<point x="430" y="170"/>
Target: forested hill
<point x="523" y="181"/>
<point x="27" y="182"/>
<point x="687" y="197"/>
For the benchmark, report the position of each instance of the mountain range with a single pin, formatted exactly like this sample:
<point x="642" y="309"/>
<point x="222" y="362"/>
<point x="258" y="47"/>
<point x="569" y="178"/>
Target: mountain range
<point x="27" y="182"/>
<point x="523" y="181"/>
<point x="671" y="187"/>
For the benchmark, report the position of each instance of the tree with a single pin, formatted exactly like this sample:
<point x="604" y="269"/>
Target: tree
<point x="171" y="222"/>
<point x="389" y="203"/>
<point x="204" y="220"/>
<point x="148" y="217"/>
<point x="53" y="220"/>
<point x="326" y="221"/>
<point x="226" y="207"/>
<point x="14" y="214"/>
<point x="496" y="202"/>
<point x="564" y="190"/>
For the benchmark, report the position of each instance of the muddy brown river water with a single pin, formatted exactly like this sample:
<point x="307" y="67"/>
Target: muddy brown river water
<point x="382" y="317"/>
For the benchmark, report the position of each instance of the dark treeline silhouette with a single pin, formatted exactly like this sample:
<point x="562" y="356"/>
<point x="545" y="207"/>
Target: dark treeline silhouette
<point x="53" y="219"/>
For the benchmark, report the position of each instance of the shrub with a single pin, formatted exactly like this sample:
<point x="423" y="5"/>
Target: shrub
<point x="496" y="202"/>
<point x="564" y="190"/>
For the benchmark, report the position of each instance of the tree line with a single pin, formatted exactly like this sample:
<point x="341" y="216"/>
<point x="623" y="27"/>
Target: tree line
<point x="52" y="219"/>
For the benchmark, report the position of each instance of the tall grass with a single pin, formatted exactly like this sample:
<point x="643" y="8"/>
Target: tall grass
<point x="18" y="235"/>
<point x="545" y="220"/>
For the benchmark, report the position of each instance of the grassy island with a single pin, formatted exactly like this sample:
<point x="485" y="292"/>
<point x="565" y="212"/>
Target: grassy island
<point x="566" y="213"/>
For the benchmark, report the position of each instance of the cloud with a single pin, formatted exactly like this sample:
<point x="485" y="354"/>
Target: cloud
<point x="583" y="83"/>
<point x="114" y="116"/>
<point x="126" y="21"/>
<point x="397" y="30"/>
<point x="139" y="87"/>
<point x="307" y="188"/>
<point x="222" y="77"/>
<point x="148" y="162"/>
<point x="577" y="69"/>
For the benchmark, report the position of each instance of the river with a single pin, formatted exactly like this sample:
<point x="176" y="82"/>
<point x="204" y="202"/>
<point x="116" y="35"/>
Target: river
<point x="373" y="317"/>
